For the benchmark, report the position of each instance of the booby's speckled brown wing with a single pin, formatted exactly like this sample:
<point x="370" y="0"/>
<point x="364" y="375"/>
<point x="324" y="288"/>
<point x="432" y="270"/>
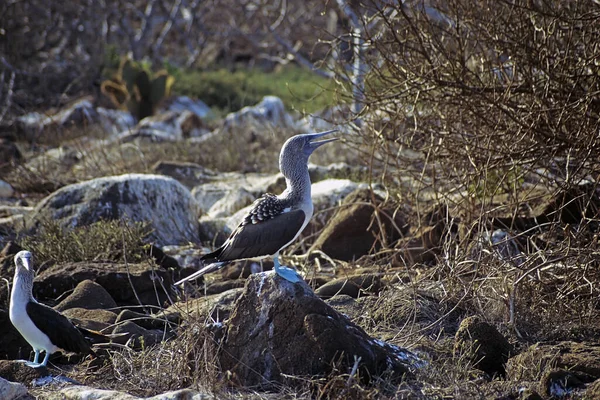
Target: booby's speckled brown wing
<point x="266" y="228"/>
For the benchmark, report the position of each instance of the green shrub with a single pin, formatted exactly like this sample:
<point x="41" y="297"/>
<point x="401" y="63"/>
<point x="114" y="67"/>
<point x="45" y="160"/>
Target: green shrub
<point x="102" y="241"/>
<point x="227" y="91"/>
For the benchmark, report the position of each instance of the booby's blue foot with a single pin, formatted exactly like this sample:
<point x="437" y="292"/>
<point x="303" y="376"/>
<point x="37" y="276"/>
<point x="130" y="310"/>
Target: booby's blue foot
<point x="34" y="364"/>
<point x="286" y="273"/>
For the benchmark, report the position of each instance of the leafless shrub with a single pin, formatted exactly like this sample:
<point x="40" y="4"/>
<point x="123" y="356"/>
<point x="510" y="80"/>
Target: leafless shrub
<point x="492" y="109"/>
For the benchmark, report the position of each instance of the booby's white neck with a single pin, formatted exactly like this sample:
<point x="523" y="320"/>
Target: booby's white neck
<point x="21" y="292"/>
<point x="298" y="189"/>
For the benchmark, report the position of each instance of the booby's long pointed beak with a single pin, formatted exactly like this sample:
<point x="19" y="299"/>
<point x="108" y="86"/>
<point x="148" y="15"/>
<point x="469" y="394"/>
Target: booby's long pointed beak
<point x="314" y="144"/>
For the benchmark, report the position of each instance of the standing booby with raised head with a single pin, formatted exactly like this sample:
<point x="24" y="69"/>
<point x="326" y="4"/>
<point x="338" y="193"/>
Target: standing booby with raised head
<point x="273" y="222"/>
<point x="44" y="328"/>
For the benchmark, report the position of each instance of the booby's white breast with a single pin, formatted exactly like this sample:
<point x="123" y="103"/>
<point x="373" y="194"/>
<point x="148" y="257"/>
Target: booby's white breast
<point x="35" y="337"/>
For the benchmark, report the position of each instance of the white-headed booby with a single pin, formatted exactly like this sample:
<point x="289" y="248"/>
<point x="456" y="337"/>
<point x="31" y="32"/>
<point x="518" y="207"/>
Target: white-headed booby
<point x="273" y="222"/>
<point x="44" y="328"/>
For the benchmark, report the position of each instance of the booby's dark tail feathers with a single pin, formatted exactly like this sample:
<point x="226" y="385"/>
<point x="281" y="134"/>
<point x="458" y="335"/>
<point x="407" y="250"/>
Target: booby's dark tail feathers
<point x="95" y="337"/>
<point x="205" y="270"/>
<point x="213" y="257"/>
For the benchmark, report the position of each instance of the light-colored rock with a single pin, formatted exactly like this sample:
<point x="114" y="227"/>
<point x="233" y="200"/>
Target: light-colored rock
<point x="5" y="189"/>
<point x="209" y="193"/>
<point x="183" y="394"/>
<point x="216" y="230"/>
<point x="180" y="104"/>
<point x="6" y="211"/>
<point x="90" y="393"/>
<point x="115" y="121"/>
<point x="231" y="202"/>
<point x="54" y="162"/>
<point x="322" y="120"/>
<point x="255" y="184"/>
<point x="80" y="113"/>
<point x="165" y="203"/>
<point x="270" y="111"/>
<point x="164" y="127"/>
<point x="235" y="189"/>
<point x="330" y="192"/>
<point x="11" y="390"/>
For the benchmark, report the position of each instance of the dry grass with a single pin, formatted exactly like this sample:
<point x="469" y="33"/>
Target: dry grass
<point x="101" y="241"/>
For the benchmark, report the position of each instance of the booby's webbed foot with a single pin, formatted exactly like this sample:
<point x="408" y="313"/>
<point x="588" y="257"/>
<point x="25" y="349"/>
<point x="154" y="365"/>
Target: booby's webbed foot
<point x="288" y="274"/>
<point x="34" y="364"/>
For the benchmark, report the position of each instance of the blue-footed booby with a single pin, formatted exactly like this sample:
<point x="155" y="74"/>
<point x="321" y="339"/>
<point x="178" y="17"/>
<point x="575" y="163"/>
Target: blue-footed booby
<point x="273" y="222"/>
<point x="44" y="328"/>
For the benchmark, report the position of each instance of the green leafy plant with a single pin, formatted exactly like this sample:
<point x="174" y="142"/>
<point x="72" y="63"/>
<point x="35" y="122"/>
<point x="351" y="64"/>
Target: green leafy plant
<point x="227" y="91"/>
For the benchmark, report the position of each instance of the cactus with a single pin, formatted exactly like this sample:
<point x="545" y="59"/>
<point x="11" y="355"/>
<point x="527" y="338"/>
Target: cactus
<point x="134" y="89"/>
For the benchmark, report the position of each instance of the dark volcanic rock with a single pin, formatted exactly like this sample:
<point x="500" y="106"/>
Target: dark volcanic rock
<point x="9" y="154"/>
<point x="338" y="286"/>
<point x="569" y="206"/>
<point x="161" y="258"/>
<point x="489" y="350"/>
<point x="220" y="287"/>
<point x="7" y="264"/>
<point x="95" y="320"/>
<point x="351" y="232"/>
<point x="281" y="328"/>
<point x="216" y="307"/>
<point x="426" y="241"/>
<point x="243" y="269"/>
<point x="557" y="383"/>
<point x="117" y="279"/>
<point x="531" y="364"/>
<point x="89" y="295"/>
<point x="352" y="286"/>
<point x="15" y="371"/>
<point x="149" y="321"/>
<point x="168" y="206"/>
<point x="136" y="336"/>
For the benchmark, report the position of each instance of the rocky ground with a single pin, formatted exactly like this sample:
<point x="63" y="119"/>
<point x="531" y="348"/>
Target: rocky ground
<point x="397" y="302"/>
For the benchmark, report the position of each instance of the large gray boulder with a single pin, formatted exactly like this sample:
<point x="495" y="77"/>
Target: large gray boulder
<point x="278" y="329"/>
<point x="163" y="202"/>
